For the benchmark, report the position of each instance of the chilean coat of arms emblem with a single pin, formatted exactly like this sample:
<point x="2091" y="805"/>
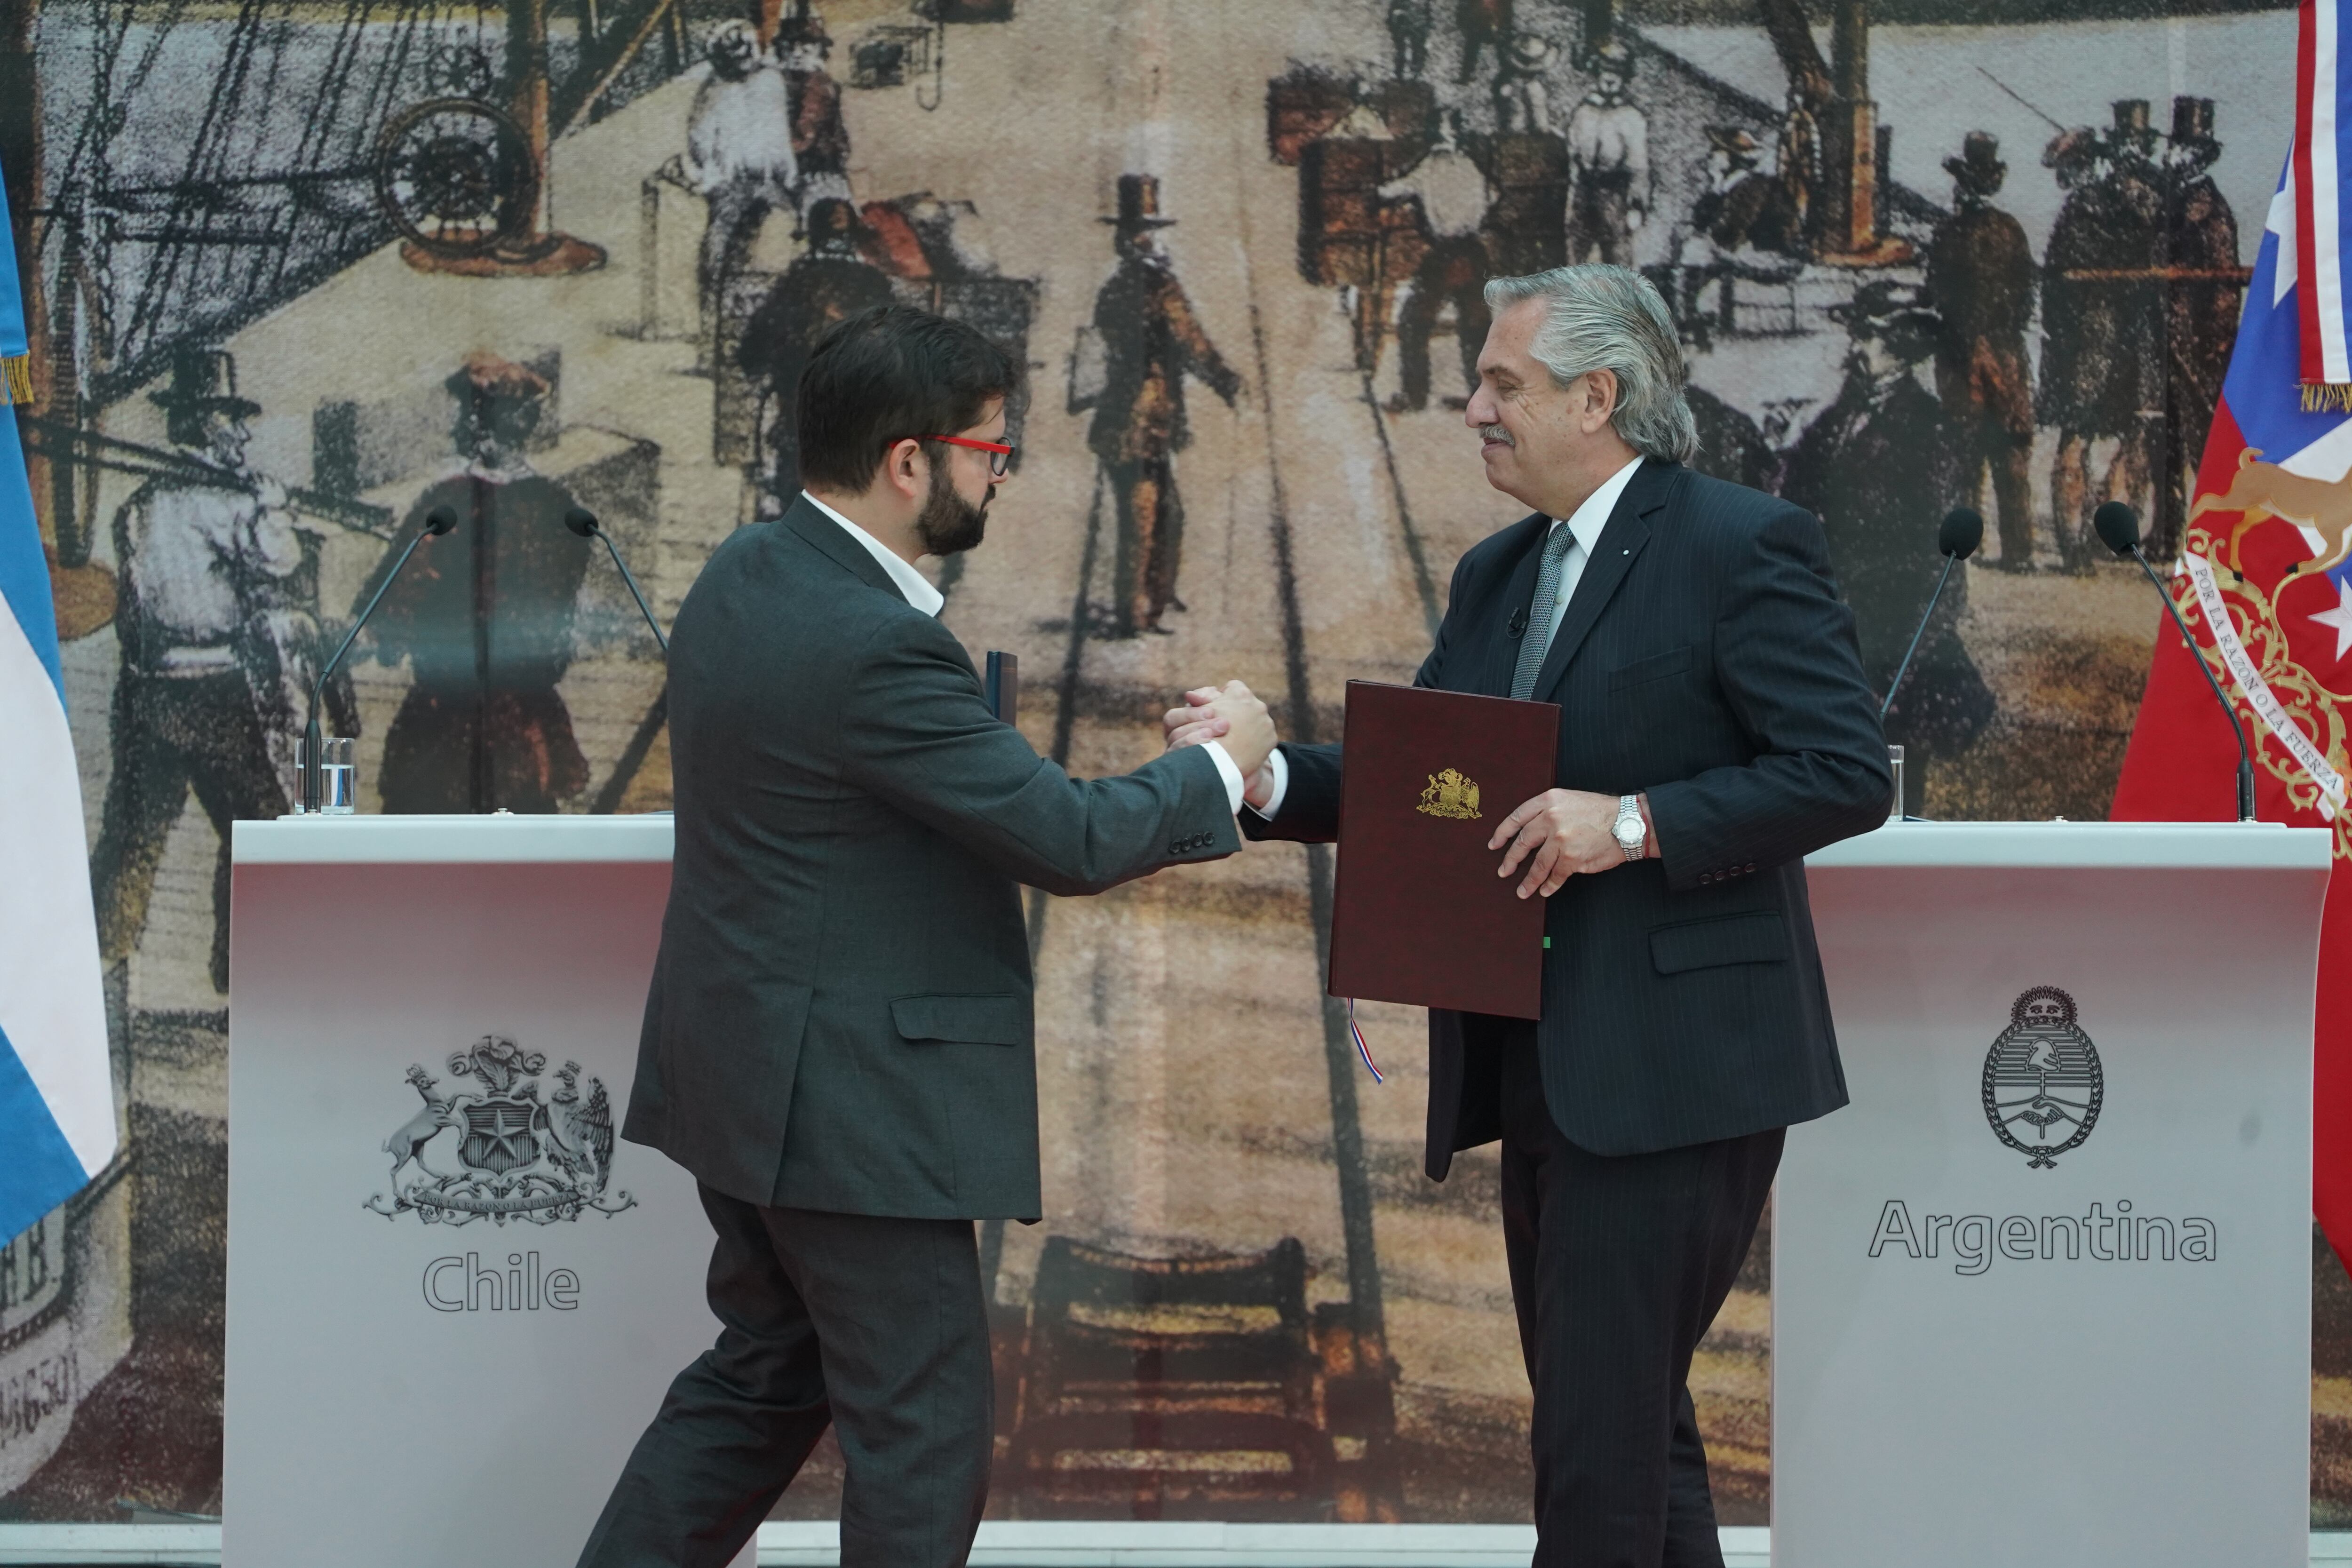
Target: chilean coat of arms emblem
<point x="517" y="1156"/>
<point x="2042" y="1081"/>
<point x="1450" y="794"/>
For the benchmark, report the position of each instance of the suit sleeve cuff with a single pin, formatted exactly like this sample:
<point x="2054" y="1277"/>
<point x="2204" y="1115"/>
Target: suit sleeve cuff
<point x="1227" y="771"/>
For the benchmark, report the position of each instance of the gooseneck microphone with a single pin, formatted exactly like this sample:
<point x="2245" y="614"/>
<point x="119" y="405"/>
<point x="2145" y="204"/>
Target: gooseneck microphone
<point x="582" y="522"/>
<point x="438" y="522"/>
<point x="2117" y="526"/>
<point x="1961" y="531"/>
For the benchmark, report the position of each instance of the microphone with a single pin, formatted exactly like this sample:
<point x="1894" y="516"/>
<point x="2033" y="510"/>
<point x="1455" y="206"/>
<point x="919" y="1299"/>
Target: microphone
<point x="582" y="522"/>
<point x="1961" y="531"/>
<point x="1518" y="622"/>
<point x="1003" y="685"/>
<point x="438" y="522"/>
<point x="2117" y="526"/>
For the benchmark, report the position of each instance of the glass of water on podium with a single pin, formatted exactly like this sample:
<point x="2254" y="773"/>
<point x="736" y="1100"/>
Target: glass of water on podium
<point x="338" y="778"/>
<point x="1894" y="766"/>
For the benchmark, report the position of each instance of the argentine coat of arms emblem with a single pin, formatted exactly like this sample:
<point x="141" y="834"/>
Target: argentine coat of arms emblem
<point x="519" y="1156"/>
<point x="2042" y="1081"/>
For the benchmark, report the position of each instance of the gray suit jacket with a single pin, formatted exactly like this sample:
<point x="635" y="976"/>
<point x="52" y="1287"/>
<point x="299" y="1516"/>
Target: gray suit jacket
<point x="840" y="1013"/>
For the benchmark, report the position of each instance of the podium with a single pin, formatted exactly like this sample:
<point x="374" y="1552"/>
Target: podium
<point x="453" y="1301"/>
<point x="2042" y="1292"/>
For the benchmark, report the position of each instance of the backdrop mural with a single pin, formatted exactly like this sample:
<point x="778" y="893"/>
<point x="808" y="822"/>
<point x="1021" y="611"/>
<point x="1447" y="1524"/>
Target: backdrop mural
<point x="309" y="269"/>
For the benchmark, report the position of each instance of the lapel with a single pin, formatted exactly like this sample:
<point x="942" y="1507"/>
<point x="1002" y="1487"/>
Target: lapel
<point x="1489" y="670"/>
<point x="1621" y="542"/>
<point x="833" y="541"/>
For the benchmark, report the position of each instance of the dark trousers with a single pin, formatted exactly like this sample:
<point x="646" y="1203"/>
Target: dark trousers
<point x="174" y="734"/>
<point x="1452" y="271"/>
<point x="874" y="1325"/>
<point x="1618" y="1265"/>
<point x="1150" y="548"/>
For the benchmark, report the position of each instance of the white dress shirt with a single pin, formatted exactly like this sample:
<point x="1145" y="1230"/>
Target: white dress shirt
<point x="930" y="601"/>
<point x="1586" y="524"/>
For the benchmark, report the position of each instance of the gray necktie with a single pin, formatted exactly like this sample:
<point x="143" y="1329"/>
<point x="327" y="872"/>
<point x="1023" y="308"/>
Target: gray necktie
<point x="1536" y="641"/>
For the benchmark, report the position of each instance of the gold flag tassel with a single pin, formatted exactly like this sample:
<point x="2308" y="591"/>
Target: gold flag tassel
<point x="16" y="379"/>
<point x="2326" y="397"/>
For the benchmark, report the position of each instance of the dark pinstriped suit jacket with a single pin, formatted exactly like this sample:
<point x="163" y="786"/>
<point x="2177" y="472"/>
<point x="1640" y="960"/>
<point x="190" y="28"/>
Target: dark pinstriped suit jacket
<point x="1705" y="658"/>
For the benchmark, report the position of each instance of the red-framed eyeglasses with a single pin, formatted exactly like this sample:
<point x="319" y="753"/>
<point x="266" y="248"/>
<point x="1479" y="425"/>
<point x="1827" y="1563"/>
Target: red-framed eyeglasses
<point x="1000" y="455"/>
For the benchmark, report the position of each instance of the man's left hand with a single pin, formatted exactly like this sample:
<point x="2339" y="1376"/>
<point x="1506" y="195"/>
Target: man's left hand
<point x="1559" y="834"/>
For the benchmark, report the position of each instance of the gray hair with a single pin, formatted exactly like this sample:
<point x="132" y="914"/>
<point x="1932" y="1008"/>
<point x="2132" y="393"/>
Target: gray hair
<point x="1599" y="317"/>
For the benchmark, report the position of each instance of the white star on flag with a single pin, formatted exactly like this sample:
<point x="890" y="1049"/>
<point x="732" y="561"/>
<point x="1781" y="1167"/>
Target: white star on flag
<point x="2340" y="619"/>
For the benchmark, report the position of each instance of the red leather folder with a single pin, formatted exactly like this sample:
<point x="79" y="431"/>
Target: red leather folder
<point x="1418" y="914"/>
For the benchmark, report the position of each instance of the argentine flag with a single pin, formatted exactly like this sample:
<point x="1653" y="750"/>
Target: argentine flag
<point x="57" y="1098"/>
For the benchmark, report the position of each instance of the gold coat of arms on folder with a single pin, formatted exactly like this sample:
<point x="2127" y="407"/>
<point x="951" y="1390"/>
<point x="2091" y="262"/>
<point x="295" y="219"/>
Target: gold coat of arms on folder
<point x="1450" y="794"/>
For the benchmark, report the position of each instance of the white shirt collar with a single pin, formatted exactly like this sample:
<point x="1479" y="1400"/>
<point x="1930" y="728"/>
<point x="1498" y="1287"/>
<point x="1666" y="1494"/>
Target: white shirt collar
<point x="911" y="582"/>
<point x="1593" y="515"/>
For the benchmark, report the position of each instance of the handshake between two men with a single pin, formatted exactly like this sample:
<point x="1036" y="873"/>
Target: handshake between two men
<point x="1557" y="835"/>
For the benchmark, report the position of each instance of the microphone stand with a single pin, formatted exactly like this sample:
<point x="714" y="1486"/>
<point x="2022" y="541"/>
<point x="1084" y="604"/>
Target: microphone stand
<point x="582" y="522"/>
<point x="437" y="523"/>
<point x="1905" y="667"/>
<point x="2245" y="752"/>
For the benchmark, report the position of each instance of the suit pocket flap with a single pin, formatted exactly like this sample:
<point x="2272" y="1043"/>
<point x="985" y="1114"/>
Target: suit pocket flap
<point x="981" y="1020"/>
<point x="1673" y="661"/>
<point x="1760" y="938"/>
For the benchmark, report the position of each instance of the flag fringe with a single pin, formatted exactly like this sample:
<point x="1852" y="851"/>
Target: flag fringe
<point x="16" y="379"/>
<point x="2326" y="397"/>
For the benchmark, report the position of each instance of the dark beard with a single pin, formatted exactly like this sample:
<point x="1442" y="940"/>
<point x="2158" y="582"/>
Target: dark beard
<point x="950" y="524"/>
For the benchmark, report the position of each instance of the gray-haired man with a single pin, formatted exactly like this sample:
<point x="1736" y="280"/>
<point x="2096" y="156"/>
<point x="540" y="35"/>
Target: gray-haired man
<point x="1715" y="728"/>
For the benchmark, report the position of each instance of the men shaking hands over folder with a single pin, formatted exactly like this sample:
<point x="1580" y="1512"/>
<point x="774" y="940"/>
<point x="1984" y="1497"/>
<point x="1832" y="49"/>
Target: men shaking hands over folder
<point x="1715" y="728"/>
<point x="838" y="1041"/>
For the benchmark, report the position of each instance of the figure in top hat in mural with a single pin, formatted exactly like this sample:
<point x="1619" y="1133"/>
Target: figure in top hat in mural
<point x="820" y="138"/>
<point x="483" y="618"/>
<point x="831" y="281"/>
<point x="1150" y="342"/>
<point x="1453" y="270"/>
<point x="2101" y="368"/>
<point x="1981" y="281"/>
<point x="1609" y="163"/>
<point x="1484" y="25"/>
<point x="2201" y="315"/>
<point x="1408" y="37"/>
<point x="1878" y="468"/>
<point x="218" y="624"/>
<point x="1522" y="101"/>
<point x="739" y="156"/>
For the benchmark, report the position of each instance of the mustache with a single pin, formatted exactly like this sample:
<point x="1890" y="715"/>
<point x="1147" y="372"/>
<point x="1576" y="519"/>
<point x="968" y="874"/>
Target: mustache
<point x="1496" y="433"/>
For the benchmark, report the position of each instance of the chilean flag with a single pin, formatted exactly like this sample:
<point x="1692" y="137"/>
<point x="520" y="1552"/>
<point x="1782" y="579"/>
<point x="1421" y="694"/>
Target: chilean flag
<point x="57" y="1095"/>
<point x="2275" y="500"/>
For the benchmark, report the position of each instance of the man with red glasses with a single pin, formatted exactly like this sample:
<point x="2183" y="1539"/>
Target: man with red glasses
<point x="838" y="1042"/>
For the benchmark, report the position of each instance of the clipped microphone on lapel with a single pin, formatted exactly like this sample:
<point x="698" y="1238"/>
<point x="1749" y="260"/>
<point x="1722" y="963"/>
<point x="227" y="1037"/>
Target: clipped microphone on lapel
<point x="1518" y="622"/>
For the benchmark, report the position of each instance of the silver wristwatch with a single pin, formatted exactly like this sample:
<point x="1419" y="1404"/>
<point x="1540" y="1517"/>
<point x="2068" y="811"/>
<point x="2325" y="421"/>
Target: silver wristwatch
<point x="1627" y="830"/>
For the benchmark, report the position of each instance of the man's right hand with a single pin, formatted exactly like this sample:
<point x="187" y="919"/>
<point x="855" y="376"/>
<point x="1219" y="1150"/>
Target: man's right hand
<point x="1233" y="715"/>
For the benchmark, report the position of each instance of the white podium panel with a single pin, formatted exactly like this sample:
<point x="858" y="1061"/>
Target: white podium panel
<point x="454" y="1298"/>
<point x="2042" y="1292"/>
